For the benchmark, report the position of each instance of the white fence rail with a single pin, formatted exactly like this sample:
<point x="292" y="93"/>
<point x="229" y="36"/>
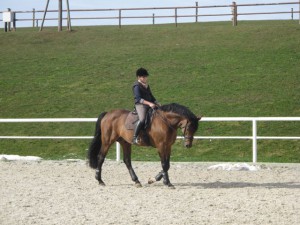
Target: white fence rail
<point x="254" y="136"/>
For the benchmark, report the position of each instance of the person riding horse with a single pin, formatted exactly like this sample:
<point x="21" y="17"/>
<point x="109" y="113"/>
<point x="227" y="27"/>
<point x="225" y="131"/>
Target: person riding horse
<point x="143" y="99"/>
<point x="110" y="127"/>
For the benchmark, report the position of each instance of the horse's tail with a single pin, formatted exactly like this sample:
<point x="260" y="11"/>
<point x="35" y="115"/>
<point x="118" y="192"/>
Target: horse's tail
<point x="95" y="145"/>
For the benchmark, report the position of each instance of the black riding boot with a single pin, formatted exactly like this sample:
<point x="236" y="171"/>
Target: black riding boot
<point x="137" y="129"/>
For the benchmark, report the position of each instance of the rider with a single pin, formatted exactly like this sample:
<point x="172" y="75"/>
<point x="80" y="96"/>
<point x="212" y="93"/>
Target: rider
<point x="143" y="99"/>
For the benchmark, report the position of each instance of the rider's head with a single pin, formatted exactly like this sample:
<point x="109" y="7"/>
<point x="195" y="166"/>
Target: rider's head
<point x="141" y="72"/>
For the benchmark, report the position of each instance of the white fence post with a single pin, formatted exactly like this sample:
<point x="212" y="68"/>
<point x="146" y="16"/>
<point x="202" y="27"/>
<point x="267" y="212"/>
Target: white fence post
<point x="254" y="140"/>
<point x="118" y="151"/>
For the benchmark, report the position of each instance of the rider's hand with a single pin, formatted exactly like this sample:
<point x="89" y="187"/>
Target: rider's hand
<point x="152" y="105"/>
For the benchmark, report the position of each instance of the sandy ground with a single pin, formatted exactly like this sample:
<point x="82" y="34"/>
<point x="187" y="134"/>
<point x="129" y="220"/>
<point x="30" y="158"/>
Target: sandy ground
<point x="61" y="192"/>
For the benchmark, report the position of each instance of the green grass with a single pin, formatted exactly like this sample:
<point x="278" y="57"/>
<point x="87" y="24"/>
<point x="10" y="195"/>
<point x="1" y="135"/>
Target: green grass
<point x="213" y="68"/>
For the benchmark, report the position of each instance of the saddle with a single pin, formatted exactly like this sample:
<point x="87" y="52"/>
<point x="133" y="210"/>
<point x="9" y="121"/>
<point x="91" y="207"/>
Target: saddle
<point x="133" y="117"/>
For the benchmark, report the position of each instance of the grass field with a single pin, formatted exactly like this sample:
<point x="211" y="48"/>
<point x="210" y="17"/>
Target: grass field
<point x="213" y="68"/>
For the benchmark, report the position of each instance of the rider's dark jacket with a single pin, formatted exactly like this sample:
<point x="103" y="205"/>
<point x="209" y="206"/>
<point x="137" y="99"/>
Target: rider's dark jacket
<point x="141" y="93"/>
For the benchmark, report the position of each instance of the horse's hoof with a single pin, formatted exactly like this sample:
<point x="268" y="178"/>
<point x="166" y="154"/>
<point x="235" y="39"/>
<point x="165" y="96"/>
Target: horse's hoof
<point x="171" y="186"/>
<point x="151" y="180"/>
<point x="138" y="185"/>
<point x="101" y="183"/>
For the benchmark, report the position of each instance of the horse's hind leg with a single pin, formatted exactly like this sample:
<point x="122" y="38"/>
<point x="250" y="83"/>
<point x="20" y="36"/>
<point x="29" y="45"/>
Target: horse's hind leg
<point x="101" y="159"/>
<point x="127" y="160"/>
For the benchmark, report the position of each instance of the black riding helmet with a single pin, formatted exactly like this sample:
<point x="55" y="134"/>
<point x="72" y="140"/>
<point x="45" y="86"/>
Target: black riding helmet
<point x="141" y="72"/>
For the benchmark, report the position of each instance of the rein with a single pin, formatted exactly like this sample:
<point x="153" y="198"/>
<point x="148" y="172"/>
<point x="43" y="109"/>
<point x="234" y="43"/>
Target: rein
<point x="164" y="119"/>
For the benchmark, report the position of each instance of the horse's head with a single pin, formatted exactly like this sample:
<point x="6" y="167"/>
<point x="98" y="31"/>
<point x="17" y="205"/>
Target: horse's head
<point x="188" y="129"/>
<point x="185" y="119"/>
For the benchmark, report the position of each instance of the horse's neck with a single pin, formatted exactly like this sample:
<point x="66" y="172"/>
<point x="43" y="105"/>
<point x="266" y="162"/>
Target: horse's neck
<point x="173" y="119"/>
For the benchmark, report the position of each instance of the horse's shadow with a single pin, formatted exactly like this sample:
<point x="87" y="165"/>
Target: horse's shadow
<point x="228" y="185"/>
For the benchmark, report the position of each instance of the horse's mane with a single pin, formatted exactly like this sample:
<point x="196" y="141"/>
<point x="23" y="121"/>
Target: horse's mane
<point x="183" y="111"/>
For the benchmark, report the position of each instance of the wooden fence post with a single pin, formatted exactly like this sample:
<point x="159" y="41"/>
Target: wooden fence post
<point x="234" y="14"/>
<point x="120" y="17"/>
<point x="45" y="12"/>
<point x="14" y="22"/>
<point x="153" y="18"/>
<point x="8" y="23"/>
<point x="196" y="12"/>
<point x="176" y="16"/>
<point x="60" y="15"/>
<point x="68" y="17"/>
<point x="33" y="17"/>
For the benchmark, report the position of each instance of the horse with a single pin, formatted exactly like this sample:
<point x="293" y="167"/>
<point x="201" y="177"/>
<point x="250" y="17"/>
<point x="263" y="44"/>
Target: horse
<point x="161" y="134"/>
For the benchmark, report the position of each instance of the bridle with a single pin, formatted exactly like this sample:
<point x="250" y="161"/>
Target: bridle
<point x="185" y="137"/>
<point x="190" y="138"/>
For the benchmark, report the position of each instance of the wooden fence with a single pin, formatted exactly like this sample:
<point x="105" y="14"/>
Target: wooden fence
<point x="174" y="12"/>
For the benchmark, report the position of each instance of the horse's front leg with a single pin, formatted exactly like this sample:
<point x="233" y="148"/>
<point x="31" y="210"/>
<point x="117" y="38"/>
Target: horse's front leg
<point x="165" y="163"/>
<point x="156" y="178"/>
<point x="127" y="160"/>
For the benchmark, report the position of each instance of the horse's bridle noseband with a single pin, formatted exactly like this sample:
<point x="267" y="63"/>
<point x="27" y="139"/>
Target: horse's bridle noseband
<point x="190" y="138"/>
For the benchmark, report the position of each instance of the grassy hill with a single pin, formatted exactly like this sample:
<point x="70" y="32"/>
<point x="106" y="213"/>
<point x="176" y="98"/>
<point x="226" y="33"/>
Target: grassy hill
<point x="213" y="68"/>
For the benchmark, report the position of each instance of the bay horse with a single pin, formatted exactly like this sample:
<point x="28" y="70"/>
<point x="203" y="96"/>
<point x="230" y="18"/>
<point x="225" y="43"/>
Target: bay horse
<point x="161" y="133"/>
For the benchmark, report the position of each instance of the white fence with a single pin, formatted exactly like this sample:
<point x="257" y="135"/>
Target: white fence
<point x="254" y="136"/>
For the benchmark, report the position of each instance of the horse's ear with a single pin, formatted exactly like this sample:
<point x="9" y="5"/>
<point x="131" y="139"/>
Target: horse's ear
<point x="199" y="118"/>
